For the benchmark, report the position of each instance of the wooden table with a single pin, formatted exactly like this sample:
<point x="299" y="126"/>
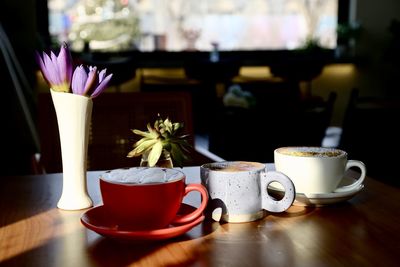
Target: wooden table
<point x="364" y="231"/>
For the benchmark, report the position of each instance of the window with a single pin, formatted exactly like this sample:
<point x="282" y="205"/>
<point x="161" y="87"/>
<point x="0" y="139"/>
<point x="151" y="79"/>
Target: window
<point x="193" y="25"/>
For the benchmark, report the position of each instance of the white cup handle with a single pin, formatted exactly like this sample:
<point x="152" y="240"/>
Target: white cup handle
<point x="359" y="181"/>
<point x="268" y="202"/>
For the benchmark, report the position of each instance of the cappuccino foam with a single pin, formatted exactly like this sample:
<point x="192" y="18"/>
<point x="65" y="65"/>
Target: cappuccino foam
<point x="235" y="166"/>
<point x="142" y="175"/>
<point x="311" y="151"/>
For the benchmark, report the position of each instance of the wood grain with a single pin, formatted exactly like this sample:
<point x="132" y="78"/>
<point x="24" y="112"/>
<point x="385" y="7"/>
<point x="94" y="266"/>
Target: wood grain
<point x="364" y="231"/>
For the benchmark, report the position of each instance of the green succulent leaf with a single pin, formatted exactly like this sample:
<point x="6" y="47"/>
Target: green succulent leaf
<point x="168" y="125"/>
<point x="145" y="145"/>
<point x="157" y="125"/>
<point x="155" y="154"/>
<point x="177" y="155"/>
<point x="166" y="145"/>
<point x="152" y="134"/>
<point x="141" y="133"/>
<point x="163" y="135"/>
<point x="176" y="126"/>
<point x="142" y="147"/>
<point x="134" y="153"/>
<point x="141" y="141"/>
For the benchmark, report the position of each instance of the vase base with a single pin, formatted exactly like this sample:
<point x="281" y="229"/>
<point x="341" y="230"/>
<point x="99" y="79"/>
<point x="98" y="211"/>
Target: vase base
<point x="74" y="205"/>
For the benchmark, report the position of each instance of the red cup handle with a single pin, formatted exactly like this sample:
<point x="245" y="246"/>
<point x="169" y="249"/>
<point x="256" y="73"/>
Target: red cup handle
<point x="199" y="211"/>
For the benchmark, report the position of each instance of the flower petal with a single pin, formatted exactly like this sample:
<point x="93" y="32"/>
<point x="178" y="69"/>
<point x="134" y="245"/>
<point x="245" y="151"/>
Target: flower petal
<point x="43" y="68"/>
<point x="91" y="81"/>
<point x="102" y="86"/>
<point x="79" y="80"/>
<point x="56" y="68"/>
<point x="64" y="61"/>
<point x="102" y="74"/>
<point x="50" y="70"/>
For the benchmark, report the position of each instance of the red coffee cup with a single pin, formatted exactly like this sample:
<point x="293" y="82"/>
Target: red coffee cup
<point x="147" y="205"/>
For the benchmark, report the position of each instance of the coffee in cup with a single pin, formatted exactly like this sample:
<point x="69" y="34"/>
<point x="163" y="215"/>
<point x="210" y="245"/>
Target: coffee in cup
<point x="143" y="198"/>
<point x="238" y="190"/>
<point x="317" y="170"/>
<point x="236" y="166"/>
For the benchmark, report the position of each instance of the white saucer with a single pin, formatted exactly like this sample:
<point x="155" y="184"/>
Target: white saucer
<point x="304" y="199"/>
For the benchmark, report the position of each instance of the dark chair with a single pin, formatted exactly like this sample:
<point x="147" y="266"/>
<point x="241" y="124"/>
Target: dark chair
<point x="113" y="117"/>
<point x="371" y="134"/>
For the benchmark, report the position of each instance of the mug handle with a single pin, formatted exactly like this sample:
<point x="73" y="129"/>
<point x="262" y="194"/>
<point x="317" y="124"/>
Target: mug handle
<point x="199" y="211"/>
<point x="268" y="202"/>
<point x="359" y="181"/>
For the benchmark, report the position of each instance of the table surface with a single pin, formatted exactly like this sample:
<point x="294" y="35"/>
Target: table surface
<point x="363" y="231"/>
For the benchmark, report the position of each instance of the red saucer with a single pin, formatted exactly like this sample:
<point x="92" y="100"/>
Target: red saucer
<point x="96" y="220"/>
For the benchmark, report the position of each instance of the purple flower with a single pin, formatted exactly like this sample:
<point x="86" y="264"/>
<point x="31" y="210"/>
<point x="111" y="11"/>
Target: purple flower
<point x="57" y="70"/>
<point x="89" y="82"/>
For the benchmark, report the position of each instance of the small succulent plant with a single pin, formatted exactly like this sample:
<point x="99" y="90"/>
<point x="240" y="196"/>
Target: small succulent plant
<point x="164" y="137"/>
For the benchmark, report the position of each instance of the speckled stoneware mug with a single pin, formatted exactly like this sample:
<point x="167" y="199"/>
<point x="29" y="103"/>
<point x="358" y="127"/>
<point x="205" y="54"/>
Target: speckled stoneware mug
<point x="238" y="190"/>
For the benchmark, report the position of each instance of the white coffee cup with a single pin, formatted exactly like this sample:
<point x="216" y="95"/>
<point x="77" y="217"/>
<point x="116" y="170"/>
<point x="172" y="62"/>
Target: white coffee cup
<point x="238" y="190"/>
<point x="316" y="169"/>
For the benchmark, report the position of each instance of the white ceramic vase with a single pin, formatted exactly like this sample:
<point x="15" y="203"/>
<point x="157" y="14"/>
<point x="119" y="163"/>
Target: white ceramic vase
<point x="73" y="116"/>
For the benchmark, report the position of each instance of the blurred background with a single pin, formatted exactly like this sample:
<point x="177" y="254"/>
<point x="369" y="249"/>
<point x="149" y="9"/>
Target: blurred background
<point x="260" y="74"/>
